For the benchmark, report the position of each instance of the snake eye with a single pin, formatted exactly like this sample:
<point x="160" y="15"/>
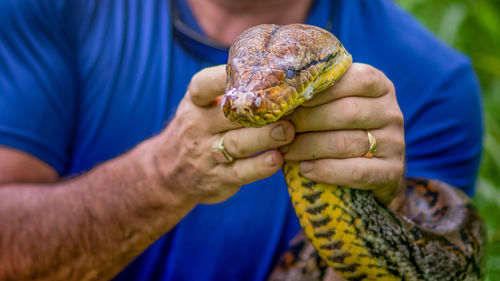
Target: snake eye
<point x="290" y="72"/>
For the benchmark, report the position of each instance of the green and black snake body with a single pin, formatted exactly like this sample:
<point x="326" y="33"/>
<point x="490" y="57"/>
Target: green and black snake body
<point x="436" y="235"/>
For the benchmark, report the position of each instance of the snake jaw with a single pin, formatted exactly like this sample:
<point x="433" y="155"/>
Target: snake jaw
<point x="237" y="105"/>
<point x="250" y="109"/>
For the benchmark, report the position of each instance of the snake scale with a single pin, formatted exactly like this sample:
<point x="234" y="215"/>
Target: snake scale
<point x="437" y="234"/>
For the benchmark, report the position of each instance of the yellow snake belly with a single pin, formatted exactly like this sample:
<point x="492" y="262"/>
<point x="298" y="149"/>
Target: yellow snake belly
<point x="437" y="235"/>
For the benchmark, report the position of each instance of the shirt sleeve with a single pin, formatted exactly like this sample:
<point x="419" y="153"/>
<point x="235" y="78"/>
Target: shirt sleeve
<point x="37" y="81"/>
<point x="447" y="129"/>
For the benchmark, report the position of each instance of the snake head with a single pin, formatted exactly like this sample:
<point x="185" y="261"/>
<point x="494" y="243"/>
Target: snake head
<point x="273" y="69"/>
<point x="257" y="102"/>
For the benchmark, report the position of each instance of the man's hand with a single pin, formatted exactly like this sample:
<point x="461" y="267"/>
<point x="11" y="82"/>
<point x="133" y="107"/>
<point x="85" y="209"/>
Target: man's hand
<point x="132" y="199"/>
<point x="332" y="138"/>
<point x="186" y="160"/>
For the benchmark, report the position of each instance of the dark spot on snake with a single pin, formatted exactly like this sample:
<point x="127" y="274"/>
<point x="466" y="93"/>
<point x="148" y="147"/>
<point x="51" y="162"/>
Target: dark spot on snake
<point x="360" y="277"/>
<point x="341" y="258"/>
<point x="440" y="212"/>
<point x="321" y="222"/>
<point x="394" y="271"/>
<point x="347" y="268"/>
<point x="328" y="59"/>
<point x="417" y="234"/>
<point x="431" y="197"/>
<point x="464" y="236"/>
<point x="316" y="209"/>
<point x="324" y="234"/>
<point x="311" y="198"/>
<point x="332" y="245"/>
<point x="290" y="72"/>
<point x="308" y="184"/>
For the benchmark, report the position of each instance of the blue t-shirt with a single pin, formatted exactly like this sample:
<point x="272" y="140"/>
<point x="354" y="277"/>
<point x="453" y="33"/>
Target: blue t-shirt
<point x="84" y="81"/>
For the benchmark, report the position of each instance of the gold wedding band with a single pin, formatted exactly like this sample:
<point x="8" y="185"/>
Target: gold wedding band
<point x="373" y="145"/>
<point x="220" y="153"/>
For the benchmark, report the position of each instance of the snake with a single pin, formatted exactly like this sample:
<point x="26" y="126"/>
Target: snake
<point x="437" y="234"/>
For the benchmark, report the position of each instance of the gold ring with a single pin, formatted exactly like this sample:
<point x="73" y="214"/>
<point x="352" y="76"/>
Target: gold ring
<point x="220" y="153"/>
<point x="373" y="145"/>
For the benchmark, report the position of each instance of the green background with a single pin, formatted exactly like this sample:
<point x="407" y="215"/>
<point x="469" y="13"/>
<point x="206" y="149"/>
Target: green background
<point x="473" y="27"/>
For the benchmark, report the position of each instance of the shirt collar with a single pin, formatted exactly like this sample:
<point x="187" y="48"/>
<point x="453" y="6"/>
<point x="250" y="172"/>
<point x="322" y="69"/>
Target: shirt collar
<point x="191" y="37"/>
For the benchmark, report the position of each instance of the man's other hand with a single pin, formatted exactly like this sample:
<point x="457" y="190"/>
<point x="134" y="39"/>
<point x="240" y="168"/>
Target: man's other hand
<point x="184" y="149"/>
<point x="332" y="134"/>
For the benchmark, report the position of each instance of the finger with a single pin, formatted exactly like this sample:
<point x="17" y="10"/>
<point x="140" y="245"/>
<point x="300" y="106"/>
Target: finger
<point x="330" y="144"/>
<point x="344" y="144"/>
<point x="209" y="118"/>
<point x="361" y="80"/>
<point x="248" y="170"/>
<point x="207" y="85"/>
<point x="218" y="122"/>
<point x="348" y="113"/>
<point x="381" y="176"/>
<point x="245" y="142"/>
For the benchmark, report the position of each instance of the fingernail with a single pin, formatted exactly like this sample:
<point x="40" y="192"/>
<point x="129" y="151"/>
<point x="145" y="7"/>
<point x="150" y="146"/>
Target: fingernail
<point x="284" y="149"/>
<point x="278" y="133"/>
<point x="269" y="160"/>
<point x="306" y="166"/>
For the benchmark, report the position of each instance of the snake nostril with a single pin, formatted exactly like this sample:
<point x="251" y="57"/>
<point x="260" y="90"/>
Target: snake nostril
<point x="242" y="111"/>
<point x="258" y="101"/>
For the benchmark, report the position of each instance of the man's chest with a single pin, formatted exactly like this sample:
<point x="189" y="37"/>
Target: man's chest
<point x="122" y="64"/>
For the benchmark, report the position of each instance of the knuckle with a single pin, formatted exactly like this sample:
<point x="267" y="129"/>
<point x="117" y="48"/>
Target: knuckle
<point x="359" y="177"/>
<point x="396" y="172"/>
<point x="194" y="87"/>
<point x="298" y="117"/>
<point x="347" y="146"/>
<point x="350" y="110"/>
<point x="394" y="116"/>
<point x="397" y="119"/>
<point x="185" y="107"/>
<point x="399" y="138"/>
<point x="394" y="146"/>
<point x="402" y="149"/>
<point x="340" y="146"/>
<point x="368" y="77"/>
<point x="391" y="88"/>
<point x="400" y="169"/>
<point x="236" y="175"/>
<point x="233" y="145"/>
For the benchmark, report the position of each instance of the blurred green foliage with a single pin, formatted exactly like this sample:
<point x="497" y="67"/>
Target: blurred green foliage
<point x="473" y="27"/>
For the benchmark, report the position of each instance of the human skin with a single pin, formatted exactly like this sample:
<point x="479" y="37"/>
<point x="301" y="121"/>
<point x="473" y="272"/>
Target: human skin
<point x="331" y="138"/>
<point x="92" y="226"/>
<point x="331" y="127"/>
